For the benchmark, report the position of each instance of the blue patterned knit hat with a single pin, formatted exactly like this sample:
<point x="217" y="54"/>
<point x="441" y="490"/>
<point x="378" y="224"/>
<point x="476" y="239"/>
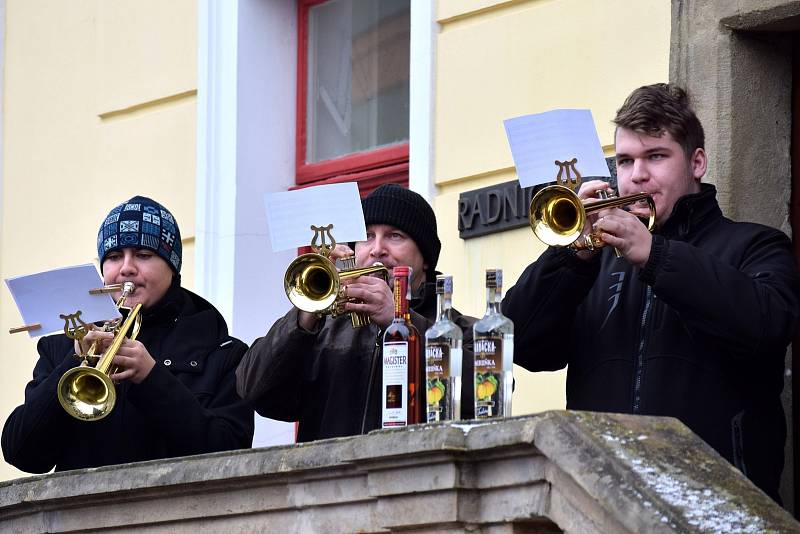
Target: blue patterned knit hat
<point x="141" y="223"/>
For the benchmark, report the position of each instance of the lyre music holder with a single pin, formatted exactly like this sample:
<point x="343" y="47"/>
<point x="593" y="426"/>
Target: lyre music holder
<point x="319" y="233"/>
<point x="568" y="174"/>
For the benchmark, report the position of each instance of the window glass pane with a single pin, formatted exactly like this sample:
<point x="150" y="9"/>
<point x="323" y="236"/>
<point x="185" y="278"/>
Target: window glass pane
<point x="358" y="55"/>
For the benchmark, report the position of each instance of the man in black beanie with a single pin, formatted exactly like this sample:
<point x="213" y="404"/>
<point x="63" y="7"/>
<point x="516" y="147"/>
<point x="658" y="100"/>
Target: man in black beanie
<point x="322" y="372"/>
<point x="401" y="230"/>
<point x="405" y="210"/>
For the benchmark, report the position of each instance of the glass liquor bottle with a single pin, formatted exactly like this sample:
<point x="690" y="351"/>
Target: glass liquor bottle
<point x="443" y="343"/>
<point x="494" y="354"/>
<point x="403" y="401"/>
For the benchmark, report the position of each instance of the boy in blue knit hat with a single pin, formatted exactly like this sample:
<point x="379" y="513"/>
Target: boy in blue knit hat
<point x="139" y="241"/>
<point x="175" y="383"/>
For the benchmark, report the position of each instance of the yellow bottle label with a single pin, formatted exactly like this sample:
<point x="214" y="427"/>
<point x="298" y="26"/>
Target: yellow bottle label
<point x="438" y="383"/>
<point x="488" y="377"/>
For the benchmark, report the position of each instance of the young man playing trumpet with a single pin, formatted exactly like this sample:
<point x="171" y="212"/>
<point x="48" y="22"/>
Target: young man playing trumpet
<point x="324" y="373"/>
<point x="175" y="385"/>
<point x="692" y="321"/>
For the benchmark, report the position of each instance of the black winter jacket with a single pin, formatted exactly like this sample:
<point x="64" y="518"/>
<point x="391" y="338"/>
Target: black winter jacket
<point x="186" y="405"/>
<point x="329" y="380"/>
<point x="700" y="333"/>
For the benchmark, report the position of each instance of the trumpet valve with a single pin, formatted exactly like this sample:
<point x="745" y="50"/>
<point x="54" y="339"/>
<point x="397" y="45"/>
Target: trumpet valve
<point x="604" y="194"/>
<point x="347" y="262"/>
<point x="337" y="308"/>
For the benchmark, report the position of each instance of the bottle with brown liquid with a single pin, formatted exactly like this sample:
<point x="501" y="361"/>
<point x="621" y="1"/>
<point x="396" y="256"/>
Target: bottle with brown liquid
<point x="403" y="402"/>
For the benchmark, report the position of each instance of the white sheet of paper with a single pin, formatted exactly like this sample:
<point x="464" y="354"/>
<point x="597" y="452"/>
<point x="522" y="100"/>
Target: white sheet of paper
<point x="538" y="140"/>
<point x="290" y="215"/>
<point x="41" y="297"/>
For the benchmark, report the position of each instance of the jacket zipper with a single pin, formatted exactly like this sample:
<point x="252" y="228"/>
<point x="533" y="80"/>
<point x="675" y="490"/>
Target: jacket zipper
<point x="639" y="371"/>
<point x="372" y="369"/>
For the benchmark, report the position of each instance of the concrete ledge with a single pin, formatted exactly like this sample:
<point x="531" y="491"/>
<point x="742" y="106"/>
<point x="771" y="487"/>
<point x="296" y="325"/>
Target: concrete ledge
<point x="558" y="471"/>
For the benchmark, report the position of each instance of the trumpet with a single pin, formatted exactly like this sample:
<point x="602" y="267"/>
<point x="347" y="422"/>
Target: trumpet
<point x="557" y="216"/>
<point x="87" y="392"/>
<point x="314" y="284"/>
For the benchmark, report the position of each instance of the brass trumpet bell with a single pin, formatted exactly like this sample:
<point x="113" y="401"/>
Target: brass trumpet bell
<point x="557" y="215"/>
<point x="311" y="282"/>
<point x="86" y="393"/>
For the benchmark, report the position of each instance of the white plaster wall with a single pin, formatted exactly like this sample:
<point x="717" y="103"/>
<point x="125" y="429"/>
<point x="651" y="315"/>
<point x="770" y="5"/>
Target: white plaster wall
<point x="246" y="135"/>
<point x="246" y="148"/>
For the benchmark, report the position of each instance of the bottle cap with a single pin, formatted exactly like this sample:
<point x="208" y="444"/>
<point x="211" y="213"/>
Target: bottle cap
<point x="494" y="277"/>
<point x="401" y="270"/>
<point x="444" y="284"/>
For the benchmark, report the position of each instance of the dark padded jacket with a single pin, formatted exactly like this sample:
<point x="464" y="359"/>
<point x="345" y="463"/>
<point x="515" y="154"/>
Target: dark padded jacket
<point x="329" y="380"/>
<point x="186" y="405"/>
<point x="700" y="333"/>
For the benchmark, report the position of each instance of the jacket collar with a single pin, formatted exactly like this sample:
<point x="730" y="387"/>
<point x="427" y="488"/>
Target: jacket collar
<point x="424" y="302"/>
<point x="691" y="211"/>
<point x="169" y="307"/>
<point x="182" y="327"/>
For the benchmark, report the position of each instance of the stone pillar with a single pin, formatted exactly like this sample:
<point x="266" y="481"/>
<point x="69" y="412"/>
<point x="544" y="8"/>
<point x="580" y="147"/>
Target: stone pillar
<point x="735" y="59"/>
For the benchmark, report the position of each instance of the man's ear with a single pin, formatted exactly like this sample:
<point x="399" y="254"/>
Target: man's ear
<point x="698" y="163"/>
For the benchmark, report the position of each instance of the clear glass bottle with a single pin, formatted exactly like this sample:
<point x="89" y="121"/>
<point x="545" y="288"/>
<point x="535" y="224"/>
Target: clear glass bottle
<point x="403" y="401"/>
<point x="443" y="361"/>
<point x="494" y="354"/>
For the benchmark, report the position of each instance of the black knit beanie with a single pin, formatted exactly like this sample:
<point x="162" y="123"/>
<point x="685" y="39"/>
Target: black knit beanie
<point x="408" y="211"/>
<point x="141" y="223"/>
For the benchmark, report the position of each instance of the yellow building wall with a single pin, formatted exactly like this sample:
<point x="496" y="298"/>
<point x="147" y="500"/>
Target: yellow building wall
<point x="501" y="59"/>
<point x="99" y="106"/>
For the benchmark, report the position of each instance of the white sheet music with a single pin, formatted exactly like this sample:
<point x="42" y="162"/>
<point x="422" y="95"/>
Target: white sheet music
<point x="290" y="214"/>
<point x="538" y="140"/>
<point x="42" y="297"/>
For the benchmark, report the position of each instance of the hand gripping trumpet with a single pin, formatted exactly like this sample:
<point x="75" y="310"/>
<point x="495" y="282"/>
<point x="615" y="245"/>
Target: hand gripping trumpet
<point x="86" y="392"/>
<point x="557" y="215"/>
<point x="314" y="284"/>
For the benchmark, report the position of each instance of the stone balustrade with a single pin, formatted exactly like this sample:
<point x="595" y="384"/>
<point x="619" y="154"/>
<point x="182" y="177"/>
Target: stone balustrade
<point x="552" y="472"/>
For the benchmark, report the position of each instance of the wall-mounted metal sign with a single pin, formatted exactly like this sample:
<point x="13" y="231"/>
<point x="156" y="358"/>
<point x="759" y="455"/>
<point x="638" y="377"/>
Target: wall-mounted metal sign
<point x="493" y="209"/>
<point x="501" y="207"/>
